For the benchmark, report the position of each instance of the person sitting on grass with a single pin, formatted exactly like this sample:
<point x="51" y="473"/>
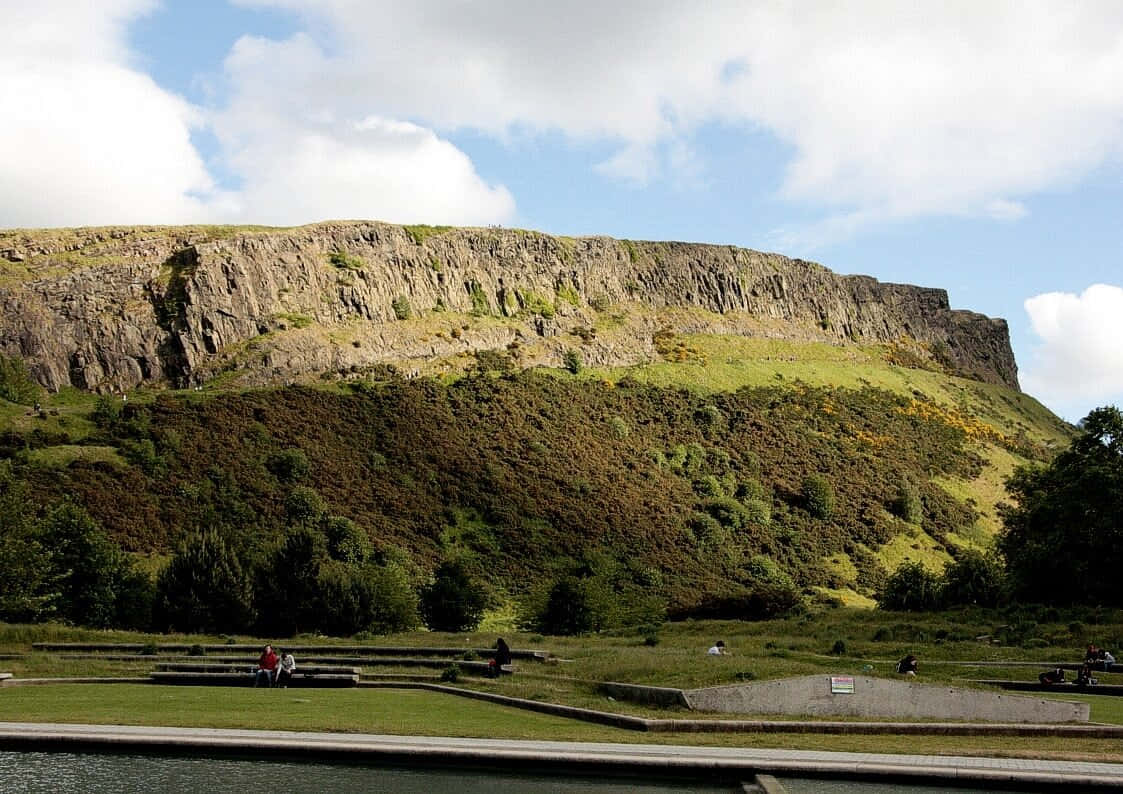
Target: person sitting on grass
<point x="285" y="669"/>
<point x="908" y="665"/>
<point x="266" y="668"/>
<point x="717" y="649"/>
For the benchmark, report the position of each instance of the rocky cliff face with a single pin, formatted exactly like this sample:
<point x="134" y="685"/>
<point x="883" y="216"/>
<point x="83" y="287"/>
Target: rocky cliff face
<point x="109" y="309"/>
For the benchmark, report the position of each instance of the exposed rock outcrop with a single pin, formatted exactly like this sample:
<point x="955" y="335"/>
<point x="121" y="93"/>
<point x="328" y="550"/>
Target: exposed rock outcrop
<point x="109" y="309"/>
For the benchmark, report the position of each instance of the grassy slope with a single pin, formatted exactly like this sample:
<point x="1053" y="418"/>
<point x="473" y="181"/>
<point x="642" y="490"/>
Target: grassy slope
<point x="996" y="424"/>
<point x="725" y="363"/>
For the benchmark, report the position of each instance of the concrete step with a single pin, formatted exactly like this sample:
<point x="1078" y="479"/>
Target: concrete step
<point x="333" y="681"/>
<point x="243" y="667"/>
<point x="297" y="650"/>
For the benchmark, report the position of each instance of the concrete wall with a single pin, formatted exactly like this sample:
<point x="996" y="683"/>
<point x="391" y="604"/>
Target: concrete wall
<point x="879" y="697"/>
<point x="648" y="695"/>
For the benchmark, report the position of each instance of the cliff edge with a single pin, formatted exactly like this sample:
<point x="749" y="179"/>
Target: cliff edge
<point x="109" y="309"/>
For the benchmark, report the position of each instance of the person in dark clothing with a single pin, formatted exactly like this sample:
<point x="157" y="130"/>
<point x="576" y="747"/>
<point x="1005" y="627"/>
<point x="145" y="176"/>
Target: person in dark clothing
<point x="502" y="652"/>
<point x="1054" y="676"/>
<point x="502" y="657"/>
<point x="908" y="665"/>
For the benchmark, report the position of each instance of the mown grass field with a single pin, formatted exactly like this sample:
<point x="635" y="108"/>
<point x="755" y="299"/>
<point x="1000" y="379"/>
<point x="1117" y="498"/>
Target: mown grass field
<point x="946" y="644"/>
<point x="415" y="713"/>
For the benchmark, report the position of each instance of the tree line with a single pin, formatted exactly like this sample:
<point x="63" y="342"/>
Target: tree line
<point x="1062" y="537"/>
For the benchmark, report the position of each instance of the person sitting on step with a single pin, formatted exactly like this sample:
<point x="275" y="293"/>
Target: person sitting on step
<point x="266" y="668"/>
<point x="285" y="669"/>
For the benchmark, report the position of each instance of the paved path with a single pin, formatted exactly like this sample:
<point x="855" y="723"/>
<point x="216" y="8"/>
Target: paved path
<point x="710" y="763"/>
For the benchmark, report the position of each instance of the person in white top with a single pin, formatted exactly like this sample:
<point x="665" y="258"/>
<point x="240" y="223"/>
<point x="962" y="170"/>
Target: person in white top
<point x="285" y="669"/>
<point x="717" y="649"/>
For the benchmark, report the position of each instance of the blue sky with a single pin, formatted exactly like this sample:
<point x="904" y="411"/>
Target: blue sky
<point x="978" y="148"/>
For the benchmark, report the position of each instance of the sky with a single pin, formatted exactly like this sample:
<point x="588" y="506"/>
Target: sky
<point x="976" y="147"/>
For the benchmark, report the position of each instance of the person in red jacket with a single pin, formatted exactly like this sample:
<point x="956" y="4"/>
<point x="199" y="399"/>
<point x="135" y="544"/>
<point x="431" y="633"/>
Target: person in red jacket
<point x="266" y="667"/>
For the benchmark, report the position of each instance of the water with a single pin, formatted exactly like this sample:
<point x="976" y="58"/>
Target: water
<point x="808" y="786"/>
<point x="60" y="773"/>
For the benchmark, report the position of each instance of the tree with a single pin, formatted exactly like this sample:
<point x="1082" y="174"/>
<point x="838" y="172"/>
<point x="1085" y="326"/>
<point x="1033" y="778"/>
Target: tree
<point x="369" y="597"/>
<point x="911" y="588"/>
<point x="291" y="587"/>
<point x="16" y="384"/>
<point x="90" y="568"/>
<point x="1063" y="539"/>
<point x="453" y="601"/>
<point x="304" y="505"/>
<point x="203" y="589"/>
<point x="906" y="504"/>
<point x="346" y="540"/>
<point x="973" y="579"/>
<point x="818" y="495"/>
<point x="568" y="609"/>
<point x="288" y="465"/>
<point x="28" y="587"/>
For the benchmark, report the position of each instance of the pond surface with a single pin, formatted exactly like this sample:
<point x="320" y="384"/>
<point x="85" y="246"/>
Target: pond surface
<point x="60" y="773"/>
<point x="807" y="786"/>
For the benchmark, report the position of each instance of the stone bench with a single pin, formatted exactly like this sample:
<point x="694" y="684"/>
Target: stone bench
<point x="1067" y="687"/>
<point x="247" y="679"/>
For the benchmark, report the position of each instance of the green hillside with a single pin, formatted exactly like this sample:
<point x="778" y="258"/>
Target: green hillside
<point x="728" y="459"/>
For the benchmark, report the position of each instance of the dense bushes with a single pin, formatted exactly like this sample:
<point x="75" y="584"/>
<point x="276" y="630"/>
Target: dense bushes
<point x="972" y="580"/>
<point x="818" y="496"/>
<point x="690" y="487"/>
<point x="1063" y="537"/>
<point x="304" y="582"/>
<point x="912" y="587"/>
<point x="59" y="564"/>
<point x="203" y="589"/>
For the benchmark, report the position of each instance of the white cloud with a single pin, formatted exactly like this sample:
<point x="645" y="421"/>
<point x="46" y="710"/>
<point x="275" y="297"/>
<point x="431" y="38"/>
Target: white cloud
<point x="85" y="139"/>
<point x="1078" y="364"/>
<point x="892" y="109"/>
<point x="303" y="159"/>
<point x="88" y="139"/>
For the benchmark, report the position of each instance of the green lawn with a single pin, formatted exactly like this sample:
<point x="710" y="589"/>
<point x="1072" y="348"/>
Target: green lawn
<point x="415" y="713"/>
<point x="945" y="642"/>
